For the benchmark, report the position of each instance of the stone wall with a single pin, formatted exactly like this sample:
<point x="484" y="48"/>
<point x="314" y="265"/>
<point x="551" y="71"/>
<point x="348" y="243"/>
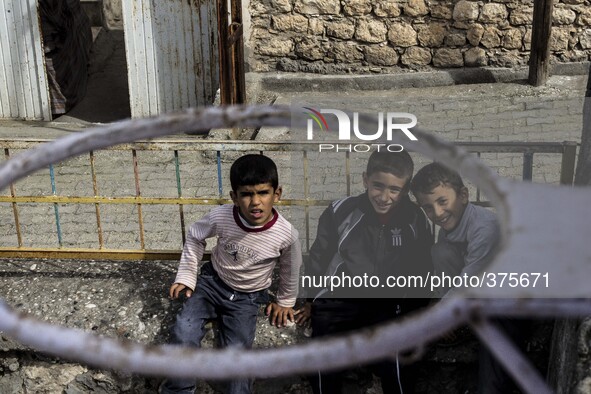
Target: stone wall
<point x="335" y="36"/>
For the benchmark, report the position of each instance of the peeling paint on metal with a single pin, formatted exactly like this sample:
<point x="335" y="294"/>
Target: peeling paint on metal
<point x="171" y="55"/>
<point x="24" y="92"/>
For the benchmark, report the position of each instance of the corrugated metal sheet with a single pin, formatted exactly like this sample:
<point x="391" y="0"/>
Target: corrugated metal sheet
<point x="24" y="93"/>
<point x="172" y="54"/>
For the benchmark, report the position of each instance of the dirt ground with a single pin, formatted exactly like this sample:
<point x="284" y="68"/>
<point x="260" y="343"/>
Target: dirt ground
<point x="116" y="299"/>
<point x="128" y="300"/>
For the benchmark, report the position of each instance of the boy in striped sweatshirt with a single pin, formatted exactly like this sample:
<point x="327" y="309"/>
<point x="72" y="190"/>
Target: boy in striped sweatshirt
<point x="252" y="237"/>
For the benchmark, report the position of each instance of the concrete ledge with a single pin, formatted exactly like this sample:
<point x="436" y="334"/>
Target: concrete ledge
<point x="324" y="83"/>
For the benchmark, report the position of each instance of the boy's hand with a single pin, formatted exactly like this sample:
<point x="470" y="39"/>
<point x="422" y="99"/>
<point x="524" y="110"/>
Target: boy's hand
<point x="177" y="288"/>
<point x="279" y="315"/>
<point x="303" y="315"/>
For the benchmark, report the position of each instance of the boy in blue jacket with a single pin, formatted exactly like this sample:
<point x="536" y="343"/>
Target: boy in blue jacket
<point x="466" y="244"/>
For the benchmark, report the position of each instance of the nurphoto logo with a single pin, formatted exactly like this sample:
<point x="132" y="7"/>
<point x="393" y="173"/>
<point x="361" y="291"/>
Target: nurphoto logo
<point x="349" y="129"/>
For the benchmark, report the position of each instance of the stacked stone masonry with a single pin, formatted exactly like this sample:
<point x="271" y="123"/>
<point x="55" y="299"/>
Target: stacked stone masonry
<point x="333" y="36"/>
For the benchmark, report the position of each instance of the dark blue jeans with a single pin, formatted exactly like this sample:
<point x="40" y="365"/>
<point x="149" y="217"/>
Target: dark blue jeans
<point x="492" y="377"/>
<point x="337" y="316"/>
<point x="236" y="313"/>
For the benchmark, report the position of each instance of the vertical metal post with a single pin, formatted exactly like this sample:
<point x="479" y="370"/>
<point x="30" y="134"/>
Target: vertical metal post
<point x="348" y="172"/>
<point x="219" y="165"/>
<point x="179" y="193"/>
<point x="55" y="206"/>
<point x="96" y="205"/>
<point x="138" y="194"/>
<point x="478" y="189"/>
<point x="306" y="196"/>
<point x="567" y="167"/>
<point x="17" y="224"/>
<point x="528" y="166"/>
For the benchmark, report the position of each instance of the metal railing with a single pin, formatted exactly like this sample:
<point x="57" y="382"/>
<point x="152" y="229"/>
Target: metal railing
<point x="567" y="150"/>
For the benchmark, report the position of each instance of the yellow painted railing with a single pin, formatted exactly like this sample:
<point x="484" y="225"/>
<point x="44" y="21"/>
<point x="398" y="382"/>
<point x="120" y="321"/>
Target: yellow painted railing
<point x="567" y="150"/>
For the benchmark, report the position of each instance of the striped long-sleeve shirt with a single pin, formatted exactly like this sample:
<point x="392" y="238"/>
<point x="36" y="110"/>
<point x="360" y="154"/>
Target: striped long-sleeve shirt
<point x="244" y="256"/>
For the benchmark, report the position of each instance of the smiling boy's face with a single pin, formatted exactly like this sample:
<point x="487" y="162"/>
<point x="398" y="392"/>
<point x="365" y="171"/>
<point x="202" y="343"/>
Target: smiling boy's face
<point x="255" y="202"/>
<point x="444" y="206"/>
<point x="384" y="190"/>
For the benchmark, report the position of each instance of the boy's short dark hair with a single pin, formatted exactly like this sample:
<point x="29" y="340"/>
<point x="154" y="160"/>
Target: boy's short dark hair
<point x="399" y="164"/>
<point x="433" y="175"/>
<point x="253" y="169"/>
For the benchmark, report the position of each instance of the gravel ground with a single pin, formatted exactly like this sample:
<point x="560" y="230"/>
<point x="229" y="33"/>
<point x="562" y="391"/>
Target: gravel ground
<point x="128" y="300"/>
<point x="115" y="299"/>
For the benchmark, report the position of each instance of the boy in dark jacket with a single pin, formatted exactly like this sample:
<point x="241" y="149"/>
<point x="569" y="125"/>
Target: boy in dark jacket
<point x="379" y="234"/>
